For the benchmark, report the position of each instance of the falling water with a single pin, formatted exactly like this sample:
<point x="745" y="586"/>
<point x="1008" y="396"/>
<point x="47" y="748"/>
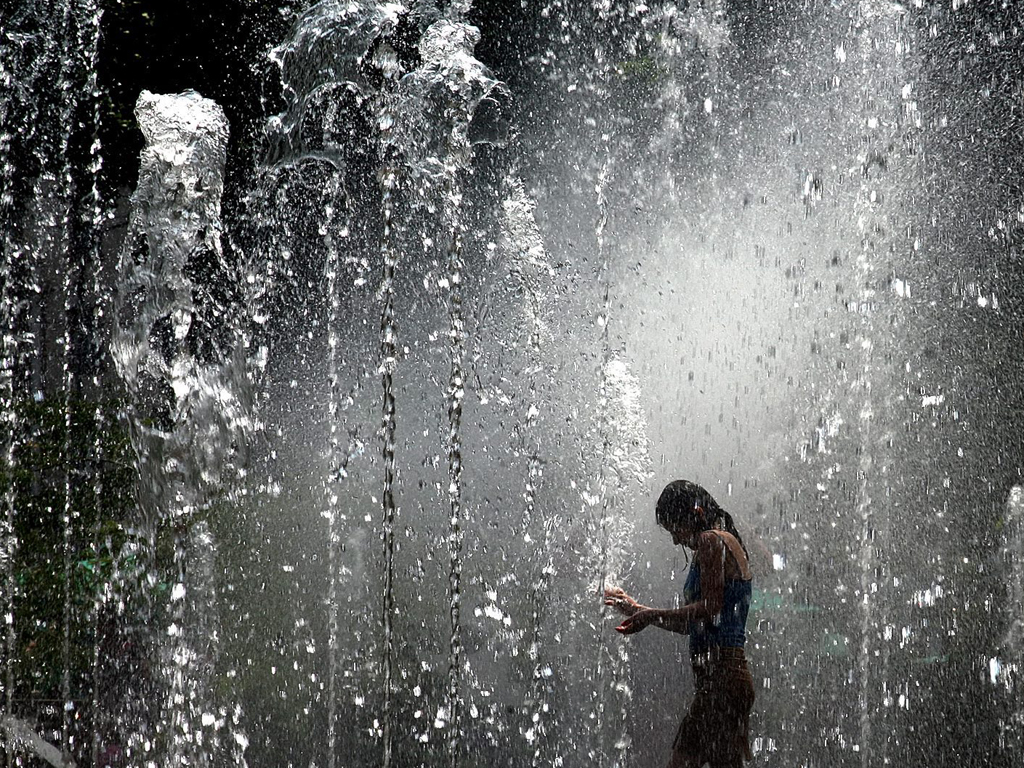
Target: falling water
<point x="94" y="216"/>
<point x="9" y="541"/>
<point x="49" y="247"/>
<point x="450" y="78"/>
<point x="456" y="392"/>
<point x="335" y="467"/>
<point x="332" y="49"/>
<point x="8" y="354"/>
<point x="879" y="48"/>
<point x="10" y="426"/>
<point x="388" y="358"/>
<point x="1009" y="670"/>
<point x="72" y="273"/>
<point x="54" y="183"/>
<point x="532" y="271"/>
<point x="620" y="474"/>
<point x="18" y="273"/>
<point x="603" y="494"/>
<point x="335" y="231"/>
<point x="736" y="295"/>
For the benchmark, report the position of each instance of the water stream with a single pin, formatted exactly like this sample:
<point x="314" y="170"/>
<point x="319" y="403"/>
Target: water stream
<point x="322" y="437"/>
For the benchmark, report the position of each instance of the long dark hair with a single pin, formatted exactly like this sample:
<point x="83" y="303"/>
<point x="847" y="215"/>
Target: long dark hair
<point x="677" y="506"/>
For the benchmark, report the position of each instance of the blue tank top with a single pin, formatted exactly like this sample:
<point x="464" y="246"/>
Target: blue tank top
<point x="729" y="631"/>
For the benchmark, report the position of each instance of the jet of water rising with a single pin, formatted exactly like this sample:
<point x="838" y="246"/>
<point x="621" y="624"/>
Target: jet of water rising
<point x="187" y="410"/>
<point x="435" y="161"/>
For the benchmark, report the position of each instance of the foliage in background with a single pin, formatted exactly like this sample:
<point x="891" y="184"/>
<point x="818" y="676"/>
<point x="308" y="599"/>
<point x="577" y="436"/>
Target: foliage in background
<point x="73" y="491"/>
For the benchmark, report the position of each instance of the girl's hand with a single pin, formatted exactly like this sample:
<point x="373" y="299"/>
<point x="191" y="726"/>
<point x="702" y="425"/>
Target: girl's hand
<point x="621" y="602"/>
<point x="638" y="622"/>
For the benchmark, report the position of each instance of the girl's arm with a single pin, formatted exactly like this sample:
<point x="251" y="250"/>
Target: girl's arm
<point x="711" y="559"/>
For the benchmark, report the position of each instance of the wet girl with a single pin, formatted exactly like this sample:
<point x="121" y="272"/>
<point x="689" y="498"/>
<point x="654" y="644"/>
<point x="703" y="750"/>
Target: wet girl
<point x="717" y="597"/>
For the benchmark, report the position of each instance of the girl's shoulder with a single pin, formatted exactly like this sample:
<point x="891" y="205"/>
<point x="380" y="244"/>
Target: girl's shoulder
<point x="715" y="537"/>
<point x="739" y="555"/>
<point x="710" y="540"/>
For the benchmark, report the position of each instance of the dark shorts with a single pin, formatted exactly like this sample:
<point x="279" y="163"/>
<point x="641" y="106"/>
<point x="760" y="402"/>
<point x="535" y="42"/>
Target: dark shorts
<point x="717" y="727"/>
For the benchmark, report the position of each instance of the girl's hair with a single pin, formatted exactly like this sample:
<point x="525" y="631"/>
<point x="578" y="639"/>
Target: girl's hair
<point x="677" y="506"/>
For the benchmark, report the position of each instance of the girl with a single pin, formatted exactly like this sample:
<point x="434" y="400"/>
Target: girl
<point x="717" y="597"/>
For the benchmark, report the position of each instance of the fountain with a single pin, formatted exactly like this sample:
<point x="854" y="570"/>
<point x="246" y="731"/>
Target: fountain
<point x="321" y="437"/>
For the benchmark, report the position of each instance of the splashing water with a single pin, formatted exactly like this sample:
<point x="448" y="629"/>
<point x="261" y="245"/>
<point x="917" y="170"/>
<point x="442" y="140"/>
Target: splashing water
<point x="175" y="349"/>
<point x="587" y="248"/>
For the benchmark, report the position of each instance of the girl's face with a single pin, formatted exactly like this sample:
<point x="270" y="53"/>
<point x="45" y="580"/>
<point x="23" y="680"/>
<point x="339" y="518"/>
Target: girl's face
<point x="683" y="535"/>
